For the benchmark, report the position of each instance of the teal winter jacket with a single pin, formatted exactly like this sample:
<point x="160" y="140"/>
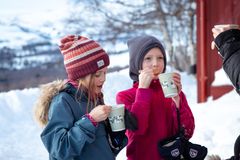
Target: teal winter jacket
<point x="69" y="134"/>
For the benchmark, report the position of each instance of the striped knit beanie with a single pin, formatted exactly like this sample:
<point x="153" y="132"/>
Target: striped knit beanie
<point x="82" y="56"/>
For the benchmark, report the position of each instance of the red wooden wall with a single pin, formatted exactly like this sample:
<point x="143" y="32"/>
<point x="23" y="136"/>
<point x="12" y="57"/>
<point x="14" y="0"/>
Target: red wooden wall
<point x="209" y="13"/>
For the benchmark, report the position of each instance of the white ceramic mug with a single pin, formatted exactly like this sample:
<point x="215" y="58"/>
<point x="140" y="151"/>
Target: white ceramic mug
<point x="116" y="118"/>
<point x="168" y="86"/>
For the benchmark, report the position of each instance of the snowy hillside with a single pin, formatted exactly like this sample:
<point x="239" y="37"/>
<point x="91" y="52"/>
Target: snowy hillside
<point x="29" y="22"/>
<point x="217" y="122"/>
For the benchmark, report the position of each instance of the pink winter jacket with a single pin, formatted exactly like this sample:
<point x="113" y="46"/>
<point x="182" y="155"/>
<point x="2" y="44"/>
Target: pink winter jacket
<point x="157" y="119"/>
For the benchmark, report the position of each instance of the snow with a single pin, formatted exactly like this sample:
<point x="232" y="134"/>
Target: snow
<point x="217" y="122"/>
<point x="223" y="81"/>
<point x="34" y="12"/>
<point x="34" y="17"/>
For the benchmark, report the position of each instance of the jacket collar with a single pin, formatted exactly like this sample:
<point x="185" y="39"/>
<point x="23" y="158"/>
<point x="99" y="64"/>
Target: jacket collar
<point x="82" y="93"/>
<point x="75" y="93"/>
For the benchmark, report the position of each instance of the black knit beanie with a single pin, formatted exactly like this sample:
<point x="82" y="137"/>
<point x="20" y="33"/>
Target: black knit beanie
<point x="138" y="48"/>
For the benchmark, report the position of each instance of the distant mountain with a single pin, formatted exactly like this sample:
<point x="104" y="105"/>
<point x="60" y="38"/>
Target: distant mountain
<point x="23" y="46"/>
<point x="28" y="56"/>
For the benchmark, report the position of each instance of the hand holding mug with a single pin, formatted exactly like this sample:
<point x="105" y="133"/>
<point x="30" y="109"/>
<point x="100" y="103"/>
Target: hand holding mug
<point x="177" y="81"/>
<point x="100" y="113"/>
<point x="217" y="29"/>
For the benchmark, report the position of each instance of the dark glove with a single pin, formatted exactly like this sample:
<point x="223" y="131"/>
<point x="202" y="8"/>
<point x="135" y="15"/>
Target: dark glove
<point x="117" y="140"/>
<point x="130" y="121"/>
<point x="176" y="148"/>
<point x="232" y="158"/>
<point x="194" y="151"/>
<point x="171" y="148"/>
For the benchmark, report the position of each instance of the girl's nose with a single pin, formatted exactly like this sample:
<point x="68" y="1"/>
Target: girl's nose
<point x="154" y="62"/>
<point x="103" y="78"/>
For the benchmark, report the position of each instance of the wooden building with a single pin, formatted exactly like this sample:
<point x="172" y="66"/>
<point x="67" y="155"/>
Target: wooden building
<point x="209" y="13"/>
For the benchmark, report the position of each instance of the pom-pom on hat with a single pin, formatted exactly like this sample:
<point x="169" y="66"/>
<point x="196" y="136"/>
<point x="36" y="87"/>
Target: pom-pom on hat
<point x="82" y="56"/>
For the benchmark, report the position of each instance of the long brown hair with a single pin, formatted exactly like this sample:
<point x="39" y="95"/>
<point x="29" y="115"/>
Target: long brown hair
<point x="48" y="91"/>
<point x="90" y="89"/>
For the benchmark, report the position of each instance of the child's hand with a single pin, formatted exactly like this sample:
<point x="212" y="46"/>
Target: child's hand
<point x="177" y="82"/>
<point x="100" y="113"/>
<point x="145" y="78"/>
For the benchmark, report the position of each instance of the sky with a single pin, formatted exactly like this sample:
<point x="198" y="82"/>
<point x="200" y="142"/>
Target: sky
<point x="13" y="7"/>
<point x="217" y="122"/>
<point x="38" y="17"/>
<point x="32" y="12"/>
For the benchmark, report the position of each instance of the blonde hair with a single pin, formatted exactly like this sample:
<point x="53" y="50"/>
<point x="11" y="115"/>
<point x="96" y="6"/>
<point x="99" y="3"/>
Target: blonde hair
<point x="92" y="97"/>
<point x="49" y="90"/>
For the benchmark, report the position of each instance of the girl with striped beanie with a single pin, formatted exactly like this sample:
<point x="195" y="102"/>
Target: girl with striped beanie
<point x="73" y="113"/>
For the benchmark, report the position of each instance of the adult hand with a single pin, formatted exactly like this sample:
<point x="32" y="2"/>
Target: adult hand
<point x="217" y="29"/>
<point x="100" y="113"/>
<point x="145" y="78"/>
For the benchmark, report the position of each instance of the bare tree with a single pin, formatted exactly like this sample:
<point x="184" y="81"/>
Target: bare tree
<point x="7" y="56"/>
<point x="113" y="21"/>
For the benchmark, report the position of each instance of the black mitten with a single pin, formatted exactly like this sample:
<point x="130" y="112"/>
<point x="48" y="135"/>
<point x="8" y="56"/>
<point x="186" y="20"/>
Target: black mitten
<point x="130" y="121"/>
<point x="232" y="158"/>
<point x="194" y="151"/>
<point x="171" y="148"/>
<point x="117" y="140"/>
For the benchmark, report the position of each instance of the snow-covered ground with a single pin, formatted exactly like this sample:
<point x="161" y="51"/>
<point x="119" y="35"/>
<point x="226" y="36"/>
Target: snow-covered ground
<point x="217" y="122"/>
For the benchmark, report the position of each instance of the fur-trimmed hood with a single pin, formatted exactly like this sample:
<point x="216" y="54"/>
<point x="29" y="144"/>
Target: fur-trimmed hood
<point x="47" y="92"/>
